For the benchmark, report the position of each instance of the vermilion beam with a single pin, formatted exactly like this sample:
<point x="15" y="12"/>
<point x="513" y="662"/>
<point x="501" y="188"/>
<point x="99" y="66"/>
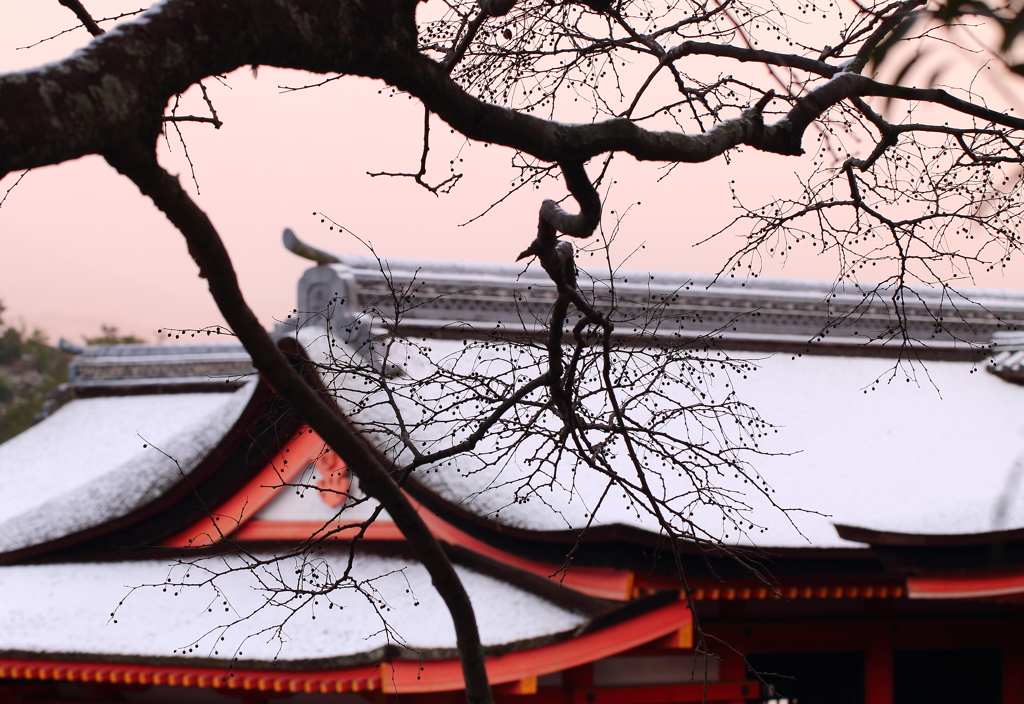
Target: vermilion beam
<point x="413" y="676"/>
<point x="235" y="516"/>
<point x="304" y="530"/>
<point x="223" y="521"/>
<point x="965" y="586"/>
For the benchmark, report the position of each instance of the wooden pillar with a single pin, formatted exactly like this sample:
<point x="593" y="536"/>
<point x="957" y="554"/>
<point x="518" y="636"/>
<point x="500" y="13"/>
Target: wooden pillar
<point x="732" y="649"/>
<point x="578" y="678"/>
<point x="878" y="672"/>
<point x="733" y="666"/>
<point x="1013" y="674"/>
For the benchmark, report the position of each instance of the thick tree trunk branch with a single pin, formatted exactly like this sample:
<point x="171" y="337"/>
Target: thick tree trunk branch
<point x="138" y="163"/>
<point x="121" y="83"/>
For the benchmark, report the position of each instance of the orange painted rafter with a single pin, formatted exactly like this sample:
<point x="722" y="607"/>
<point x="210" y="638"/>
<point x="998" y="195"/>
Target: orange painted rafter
<point x="293" y="682"/>
<point x="283" y="468"/>
<point x="412" y="676"/>
<point x="965" y="586"/>
<point x="235" y="517"/>
<point x="791" y="592"/>
<point x="303" y="530"/>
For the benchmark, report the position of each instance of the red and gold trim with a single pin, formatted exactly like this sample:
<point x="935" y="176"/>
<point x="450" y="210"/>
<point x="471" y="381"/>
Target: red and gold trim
<point x="792" y="592"/>
<point x="518" y="669"/>
<point x="351" y="680"/>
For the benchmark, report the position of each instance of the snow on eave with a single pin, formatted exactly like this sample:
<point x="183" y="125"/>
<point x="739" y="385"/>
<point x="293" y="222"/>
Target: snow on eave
<point x="99" y="459"/>
<point x="848" y="457"/>
<point x="64" y="610"/>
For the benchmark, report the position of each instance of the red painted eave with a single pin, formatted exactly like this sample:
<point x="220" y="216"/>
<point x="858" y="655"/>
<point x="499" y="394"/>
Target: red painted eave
<point x="398" y="676"/>
<point x="412" y="676"/>
<point x="966" y="586"/>
<point x="226" y="518"/>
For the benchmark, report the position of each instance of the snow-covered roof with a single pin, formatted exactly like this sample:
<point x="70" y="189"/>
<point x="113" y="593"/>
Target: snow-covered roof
<point x="939" y="454"/>
<point x="856" y="444"/>
<point x="156" y="610"/>
<point x="851" y="440"/>
<point x="849" y="443"/>
<point x="98" y="459"/>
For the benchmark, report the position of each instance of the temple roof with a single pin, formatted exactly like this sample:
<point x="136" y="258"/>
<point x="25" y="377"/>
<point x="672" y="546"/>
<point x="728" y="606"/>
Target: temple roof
<point x="856" y="444"/>
<point x="169" y="612"/>
<point x="858" y="438"/>
<point x="97" y="460"/>
<point x="860" y="447"/>
<point x="855" y="438"/>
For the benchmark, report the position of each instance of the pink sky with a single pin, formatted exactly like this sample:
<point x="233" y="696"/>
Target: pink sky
<point x="79" y="247"/>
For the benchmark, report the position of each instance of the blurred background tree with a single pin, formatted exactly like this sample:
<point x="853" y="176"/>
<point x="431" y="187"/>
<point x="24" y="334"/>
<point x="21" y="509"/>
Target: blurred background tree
<point x="110" y="336"/>
<point x="31" y="370"/>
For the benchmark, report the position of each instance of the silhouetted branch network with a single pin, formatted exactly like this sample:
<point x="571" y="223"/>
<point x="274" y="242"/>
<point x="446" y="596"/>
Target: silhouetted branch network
<point x="591" y="398"/>
<point x="907" y="187"/>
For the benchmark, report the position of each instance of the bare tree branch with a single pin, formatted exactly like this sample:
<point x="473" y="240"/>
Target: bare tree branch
<point x="83" y="16"/>
<point x="137" y="162"/>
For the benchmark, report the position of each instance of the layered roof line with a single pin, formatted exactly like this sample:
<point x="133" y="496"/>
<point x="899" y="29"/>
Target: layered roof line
<point x="278" y="495"/>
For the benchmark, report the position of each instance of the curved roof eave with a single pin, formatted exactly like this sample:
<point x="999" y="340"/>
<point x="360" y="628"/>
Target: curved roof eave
<point x="391" y="670"/>
<point x="896" y="539"/>
<point x="197" y="471"/>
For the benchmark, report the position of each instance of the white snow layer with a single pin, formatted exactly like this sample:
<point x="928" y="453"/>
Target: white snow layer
<point x="87" y="464"/>
<point x="942" y="454"/>
<point x="69" y="608"/>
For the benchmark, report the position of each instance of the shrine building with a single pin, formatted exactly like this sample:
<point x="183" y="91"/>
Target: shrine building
<point x="167" y="531"/>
